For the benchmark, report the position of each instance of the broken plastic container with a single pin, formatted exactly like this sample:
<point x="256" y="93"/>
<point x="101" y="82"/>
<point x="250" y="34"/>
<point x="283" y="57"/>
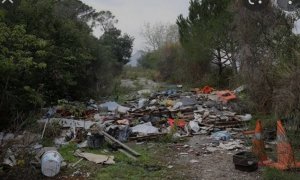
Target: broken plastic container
<point x="51" y="163"/>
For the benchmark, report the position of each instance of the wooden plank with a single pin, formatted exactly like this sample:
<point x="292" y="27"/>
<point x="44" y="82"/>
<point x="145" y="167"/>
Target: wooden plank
<point x="127" y="154"/>
<point x="121" y="144"/>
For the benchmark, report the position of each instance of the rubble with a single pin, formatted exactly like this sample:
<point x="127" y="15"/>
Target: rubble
<point x="173" y="111"/>
<point x="221" y="135"/>
<point x="194" y="112"/>
<point x="9" y="159"/>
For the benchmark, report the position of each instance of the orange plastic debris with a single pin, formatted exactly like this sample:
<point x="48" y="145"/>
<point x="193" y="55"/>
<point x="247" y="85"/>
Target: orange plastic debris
<point x="285" y="154"/>
<point x="226" y="96"/>
<point x="207" y="90"/>
<point x="204" y="90"/>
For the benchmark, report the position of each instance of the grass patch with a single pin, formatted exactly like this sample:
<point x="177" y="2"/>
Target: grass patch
<point x="137" y="72"/>
<point x="67" y="153"/>
<point x="274" y="174"/>
<point x="47" y="142"/>
<point x="146" y="167"/>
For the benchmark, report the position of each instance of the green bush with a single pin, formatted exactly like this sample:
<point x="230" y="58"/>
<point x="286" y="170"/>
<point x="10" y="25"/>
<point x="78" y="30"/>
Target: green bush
<point x="48" y="52"/>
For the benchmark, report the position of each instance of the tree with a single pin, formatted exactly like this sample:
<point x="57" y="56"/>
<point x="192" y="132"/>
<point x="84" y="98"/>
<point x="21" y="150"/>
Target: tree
<point x="159" y="34"/>
<point x="267" y="47"/>
<point x="120" y="45"/>
<point x="48" y="53"/>
<point x="205" y="34"/>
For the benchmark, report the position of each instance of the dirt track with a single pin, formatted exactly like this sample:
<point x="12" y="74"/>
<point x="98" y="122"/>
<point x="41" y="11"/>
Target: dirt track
<point x="210" y="166"/>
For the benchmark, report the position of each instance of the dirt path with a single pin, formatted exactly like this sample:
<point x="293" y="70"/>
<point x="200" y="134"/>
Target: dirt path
<point x="190" y="160"/>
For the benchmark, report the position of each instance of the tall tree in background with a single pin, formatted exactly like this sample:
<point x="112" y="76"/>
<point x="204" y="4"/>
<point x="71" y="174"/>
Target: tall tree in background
<point x="205" y="34"/>
<point x="267" y="46"/>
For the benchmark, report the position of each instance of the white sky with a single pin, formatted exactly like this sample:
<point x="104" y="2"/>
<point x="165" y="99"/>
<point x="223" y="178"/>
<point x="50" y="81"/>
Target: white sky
<point x="133" y="14"/>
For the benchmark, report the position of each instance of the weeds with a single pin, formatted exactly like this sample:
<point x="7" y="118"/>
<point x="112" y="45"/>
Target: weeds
<point x="274" y="174"/>
<point x="146" y="167"/>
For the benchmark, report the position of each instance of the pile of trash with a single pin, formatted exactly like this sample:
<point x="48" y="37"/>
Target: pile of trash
<point x="172" y="111"/>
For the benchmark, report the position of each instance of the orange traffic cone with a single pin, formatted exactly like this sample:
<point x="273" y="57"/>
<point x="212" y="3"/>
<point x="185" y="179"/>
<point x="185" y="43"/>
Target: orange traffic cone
<point x="285" y="154"/>
<point x="258" y="147"/>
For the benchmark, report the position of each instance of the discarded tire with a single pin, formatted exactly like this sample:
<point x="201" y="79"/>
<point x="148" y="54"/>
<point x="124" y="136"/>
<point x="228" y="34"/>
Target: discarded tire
<point x="245" y="161"/>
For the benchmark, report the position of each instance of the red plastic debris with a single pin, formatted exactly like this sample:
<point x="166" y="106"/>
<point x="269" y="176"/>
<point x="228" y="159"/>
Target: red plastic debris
<point x="179" y="123"/>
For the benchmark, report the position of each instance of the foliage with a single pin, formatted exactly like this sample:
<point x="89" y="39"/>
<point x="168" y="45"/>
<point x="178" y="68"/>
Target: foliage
<point x="205" y="53"/>
<point x="139" y="72"/>
<point x="158" y="35"/>
<point x="206" y="36"/>
<point x="274" y="174"/>
<point x="146" y="167"/>
<point x="265" y="40"/>
<point x="48" y="53"/>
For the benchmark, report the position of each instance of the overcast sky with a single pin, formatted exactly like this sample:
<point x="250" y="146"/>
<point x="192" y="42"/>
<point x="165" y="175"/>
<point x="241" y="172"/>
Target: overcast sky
<point x="132" y="14"/>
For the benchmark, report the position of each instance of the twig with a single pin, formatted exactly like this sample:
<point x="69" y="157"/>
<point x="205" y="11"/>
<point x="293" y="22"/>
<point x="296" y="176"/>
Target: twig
<point x="45" y="128"/>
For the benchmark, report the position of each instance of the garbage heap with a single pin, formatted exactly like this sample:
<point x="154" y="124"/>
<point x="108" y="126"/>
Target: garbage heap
<point x="144" y="116"/>
<point x="148" y="115"/>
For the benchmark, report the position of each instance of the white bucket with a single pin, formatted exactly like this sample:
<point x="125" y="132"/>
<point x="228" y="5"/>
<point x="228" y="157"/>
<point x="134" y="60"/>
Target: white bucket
<point x="51" y="163"/>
